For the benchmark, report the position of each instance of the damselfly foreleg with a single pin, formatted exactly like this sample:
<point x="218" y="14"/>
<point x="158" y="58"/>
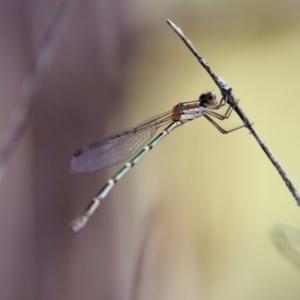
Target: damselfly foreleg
<point x="220" y="128"/>
<point x="219" y="116"/>
<point x="209" y="112"/>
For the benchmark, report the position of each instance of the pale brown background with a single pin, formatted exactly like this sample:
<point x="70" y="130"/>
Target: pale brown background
<point x="192" y="220"/>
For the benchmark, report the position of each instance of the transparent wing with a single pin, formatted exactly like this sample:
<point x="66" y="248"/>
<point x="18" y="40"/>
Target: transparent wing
<point x="118" y="147"/>
<point x="287" y="240"/>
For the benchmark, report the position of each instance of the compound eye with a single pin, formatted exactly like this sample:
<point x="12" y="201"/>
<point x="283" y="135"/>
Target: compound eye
<point x="211" y="98"/>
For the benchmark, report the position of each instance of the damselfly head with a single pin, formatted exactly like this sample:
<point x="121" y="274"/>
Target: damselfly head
<point x="209" y="98"/>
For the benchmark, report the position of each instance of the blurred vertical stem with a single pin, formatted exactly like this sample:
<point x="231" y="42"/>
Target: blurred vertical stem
<point x="21" y="112"/>
<point x="226" y="90"/>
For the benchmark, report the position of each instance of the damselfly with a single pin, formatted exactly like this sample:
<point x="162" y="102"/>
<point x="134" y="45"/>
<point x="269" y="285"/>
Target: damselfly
<point x="118" y="147"/>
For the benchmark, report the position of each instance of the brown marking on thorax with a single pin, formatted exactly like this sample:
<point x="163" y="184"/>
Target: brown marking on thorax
<point x="176" y="113"/>
<point x="191" y="105"/>
<point x="177" y="110"/>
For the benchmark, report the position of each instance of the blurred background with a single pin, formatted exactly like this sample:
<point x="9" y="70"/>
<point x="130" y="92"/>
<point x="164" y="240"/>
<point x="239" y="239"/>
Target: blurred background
<point x="193" y="219"/>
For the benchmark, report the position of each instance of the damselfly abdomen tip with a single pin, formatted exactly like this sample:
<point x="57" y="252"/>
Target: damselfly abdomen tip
<point x="77" y="224"/>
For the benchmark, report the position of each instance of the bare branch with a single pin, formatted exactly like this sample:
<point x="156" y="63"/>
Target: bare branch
<point x="225" y="90"/>
<point x="20" y="115"/>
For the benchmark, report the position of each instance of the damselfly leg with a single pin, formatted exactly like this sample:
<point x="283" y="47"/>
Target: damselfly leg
<point x="209" y="112"/>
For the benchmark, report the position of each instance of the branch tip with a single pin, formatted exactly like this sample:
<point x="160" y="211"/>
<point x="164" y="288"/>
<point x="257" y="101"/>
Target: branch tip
<point x="225" y="89"/>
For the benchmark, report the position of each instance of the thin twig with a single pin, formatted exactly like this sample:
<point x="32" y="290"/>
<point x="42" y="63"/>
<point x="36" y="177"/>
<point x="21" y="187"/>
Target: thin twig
<point x="20" y="115"/>
<point x="225" y="90"/>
